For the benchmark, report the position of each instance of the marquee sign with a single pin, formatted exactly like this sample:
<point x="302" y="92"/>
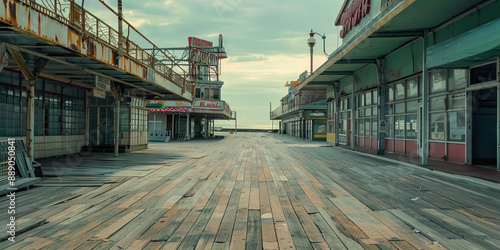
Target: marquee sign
<point x="351" y="16"/>
<point x="197" y="42"/>
<point x="203" y="57"/>
<point x="208" y="104"/>
<point x="316" y="114"/>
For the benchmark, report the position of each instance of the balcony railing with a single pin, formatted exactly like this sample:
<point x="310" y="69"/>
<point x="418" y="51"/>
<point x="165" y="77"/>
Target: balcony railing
<point x="72" y="14"/>
<point x="305" y="98"/>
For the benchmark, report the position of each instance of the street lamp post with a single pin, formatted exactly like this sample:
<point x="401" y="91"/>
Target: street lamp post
<point x="311" y="42"/>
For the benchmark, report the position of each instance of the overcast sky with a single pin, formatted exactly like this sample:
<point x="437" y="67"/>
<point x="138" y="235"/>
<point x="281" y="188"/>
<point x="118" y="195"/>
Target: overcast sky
<point x="265" y="41"/>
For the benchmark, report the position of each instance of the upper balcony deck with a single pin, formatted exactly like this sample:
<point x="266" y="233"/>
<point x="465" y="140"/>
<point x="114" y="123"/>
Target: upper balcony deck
<point x="304" y="100"/>
<point x="80" y="46"/>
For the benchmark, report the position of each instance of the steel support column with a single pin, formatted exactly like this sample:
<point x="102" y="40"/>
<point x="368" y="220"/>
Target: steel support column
<point x="381" y="123"/>
<point x="498" y="115"/>
<point x="117" y="127"/>
<point x="87" y="121"/>
<point x="116" y="94"/>
<point x="498" y="124"/>
<point x="353" y="113"/>
<point x="205" y="127"/>
<point x="235" y="123"/>
<point x="187" y="127"/>
<point x="336" y="87"/>
<point x="425" y="101"/>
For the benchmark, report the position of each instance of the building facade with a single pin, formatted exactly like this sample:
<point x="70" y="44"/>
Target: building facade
<point x="420" y="85"/>
<point x="184" y="120"/>
<point x="302" y="114"/>
<point x="71" y="82"/>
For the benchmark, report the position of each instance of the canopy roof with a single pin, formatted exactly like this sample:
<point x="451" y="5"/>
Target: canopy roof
<point x="400" y="23"/>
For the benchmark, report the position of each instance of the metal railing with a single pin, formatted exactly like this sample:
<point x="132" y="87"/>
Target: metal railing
<point x="300" y="100"/>
<point x="74" y="15"/>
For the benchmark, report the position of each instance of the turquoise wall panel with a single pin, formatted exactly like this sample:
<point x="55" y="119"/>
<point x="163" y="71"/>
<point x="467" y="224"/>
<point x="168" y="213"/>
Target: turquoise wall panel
<point x="346" y="85"/>
<point x="399" y="64"/>
<point x="366" y="78"/>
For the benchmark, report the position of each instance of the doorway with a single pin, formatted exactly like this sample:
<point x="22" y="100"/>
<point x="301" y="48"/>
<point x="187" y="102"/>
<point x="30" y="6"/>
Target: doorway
<point x="484" y="122"/>
<point x="101" y="126"/>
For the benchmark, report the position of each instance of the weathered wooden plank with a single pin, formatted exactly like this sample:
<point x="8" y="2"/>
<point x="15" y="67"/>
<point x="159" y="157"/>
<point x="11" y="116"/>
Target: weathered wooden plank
<point x="111" y="229"/>
<point x="22" y="225"/>
<point x="254" y="232"/>
<point x="228" y="220"/>
<point x="406" y="232"/>
<point x="343" y="235"/>
<point x="305" y="220"/>
<point x="238" y="239"/>
<point x="331" y="239"/>
<point x="431" y="232"/>
<point x="268" y="231"/>
<point x="283" y="235"/>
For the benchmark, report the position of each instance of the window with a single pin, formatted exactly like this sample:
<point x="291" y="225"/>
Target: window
<point x="438" y="82"/>
<point x="436" y="126"/>
<point x="411" y="126"/>
<point x="457" y="79"/>
<point x="399" y="126"/>
<point x="411" y="107"/>
<point x="331" y="128"/>
<point x="343" y="123"/>
<point x="456" y="101"/>
<point x="368" y="112"/>
<point x="368" y="98"/>
<point x="389" y="93"/>
<point x="216" y="94"/>
<point x="367" y="126"/>
<point x="400" y="91"/>
<point x="400" y="108"/>
<point x="456" y="126"/>
<point x="12" y="106"/>
<point x="374" y="127"/>
<point x="361" y="128"/>
<point x="437" y="103"/>
<point x="198" y="93"/>
<point x="412" y="88"/>
<point x="485" y="73"/>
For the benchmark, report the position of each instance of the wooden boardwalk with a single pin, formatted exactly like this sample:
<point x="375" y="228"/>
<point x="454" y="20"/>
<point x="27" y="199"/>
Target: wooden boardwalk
<point x="253" y="191"/>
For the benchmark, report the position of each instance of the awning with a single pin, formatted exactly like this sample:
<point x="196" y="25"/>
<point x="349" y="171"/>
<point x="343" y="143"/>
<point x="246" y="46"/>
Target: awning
<point x="397" y="25"/>
<point x="172" y="110"/>
<point x="476" y="46"/>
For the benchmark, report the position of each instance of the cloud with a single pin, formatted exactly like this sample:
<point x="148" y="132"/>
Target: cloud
<point x="248" y="59"/>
